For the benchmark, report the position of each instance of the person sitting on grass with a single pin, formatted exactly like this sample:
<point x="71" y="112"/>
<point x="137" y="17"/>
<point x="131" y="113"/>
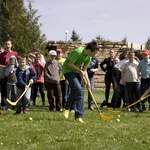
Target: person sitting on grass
<point x="74" y="69"/>
<point x="24" y="74"/>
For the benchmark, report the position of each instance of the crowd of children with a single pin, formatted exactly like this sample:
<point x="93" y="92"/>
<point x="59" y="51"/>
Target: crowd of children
<point x="62" y="78"/>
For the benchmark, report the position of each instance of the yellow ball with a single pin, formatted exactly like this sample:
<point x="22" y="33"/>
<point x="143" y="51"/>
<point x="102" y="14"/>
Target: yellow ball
<point x="30" y="118"/>
<point x="118" y="115"/>
<point x="118" y="120"/>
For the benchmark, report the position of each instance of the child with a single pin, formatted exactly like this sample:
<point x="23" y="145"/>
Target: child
<point x="144" y="69"/>
<point x="10" y="73"/>
<point x="52" y="74"/>
<point x="38" y="67"/>
<point x="24" y="74"/>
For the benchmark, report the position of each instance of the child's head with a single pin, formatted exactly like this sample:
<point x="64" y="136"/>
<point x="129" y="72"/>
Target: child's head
<point x="59" y="53"/>
<point x="22" y="62"/>
<point x="2" y="49"/>
<point x="116" y="60"/>
<point x="52" y="55"/>
<point x="38" y="57"/>
<point x="146" y="54"/>
<point x="131" y="56"/>
<point x="29" y="61"/>
<point x="12" y="60"/>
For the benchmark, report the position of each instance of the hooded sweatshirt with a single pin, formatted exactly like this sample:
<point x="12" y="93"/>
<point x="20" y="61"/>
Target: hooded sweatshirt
<point x="10" y="72"/>
<point x="24" y="76"/>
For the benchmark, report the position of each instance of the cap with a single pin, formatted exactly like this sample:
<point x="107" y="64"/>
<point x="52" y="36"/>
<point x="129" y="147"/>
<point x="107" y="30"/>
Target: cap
<point x="146" y="52"/>
<point x="59" y="50"/>
<point x="52" y="53"/>
<point x="12" y="57"/>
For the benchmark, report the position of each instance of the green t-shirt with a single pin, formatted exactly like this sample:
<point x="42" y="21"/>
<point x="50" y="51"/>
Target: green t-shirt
<point x="62" y="60"/>
<point x="78" y="58"/>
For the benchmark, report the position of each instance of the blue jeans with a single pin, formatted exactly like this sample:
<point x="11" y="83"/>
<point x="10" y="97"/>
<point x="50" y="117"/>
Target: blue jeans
<point x="35" y="88"/>
<point x="64" y="90"/>
<point x="90" y="101"/>
<point x="24" y="101"/>
<point x="76" y="94"/>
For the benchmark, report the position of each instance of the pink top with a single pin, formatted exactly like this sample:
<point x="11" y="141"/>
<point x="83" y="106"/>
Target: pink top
<point x="39" y="69"/>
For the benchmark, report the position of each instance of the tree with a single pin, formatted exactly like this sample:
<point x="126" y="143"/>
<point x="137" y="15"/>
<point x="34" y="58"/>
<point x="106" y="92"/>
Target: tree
<point x="75" y="37"/>
<point x="20" y="25"/>
<point x="147" y="44"/>
<point x="99" y="38"/>
<point x="124" y="39"/>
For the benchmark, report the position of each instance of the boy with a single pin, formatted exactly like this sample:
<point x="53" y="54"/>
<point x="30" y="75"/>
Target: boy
<point x="52" y="74"/>
<point x="24" y="75"/>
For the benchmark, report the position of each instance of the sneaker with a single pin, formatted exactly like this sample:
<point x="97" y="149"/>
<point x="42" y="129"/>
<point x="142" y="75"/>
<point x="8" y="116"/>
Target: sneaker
<point x="60" y="110"/>
<point x="72" y="111"/>
<point x="79" y="120"/>
<point x="91" y="108"/>
<point x="17" y="112"/>
<point x="52" y="109"/>
<point x="25" y="110"/>
<point x="143" y="107"/>
<point x="43" y="103"/>
<point x="33" y="103"/>
<point x="135" y="109"/>
<point x="104" y="103"/>
<point x="66" y="113"/>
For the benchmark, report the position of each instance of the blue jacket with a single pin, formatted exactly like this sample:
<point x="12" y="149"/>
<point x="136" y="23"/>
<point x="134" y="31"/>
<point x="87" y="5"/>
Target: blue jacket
<point x="23" y="76"/>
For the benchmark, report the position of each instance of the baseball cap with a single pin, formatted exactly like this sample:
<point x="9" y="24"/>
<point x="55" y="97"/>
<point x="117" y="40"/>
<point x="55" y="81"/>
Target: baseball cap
<point x="52" y="53"/>
<point x="146" y="52"/>
<point x="59" y="50"/>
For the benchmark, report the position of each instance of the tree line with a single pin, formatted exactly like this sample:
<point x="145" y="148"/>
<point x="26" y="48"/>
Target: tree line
<point x="21" y="25"/>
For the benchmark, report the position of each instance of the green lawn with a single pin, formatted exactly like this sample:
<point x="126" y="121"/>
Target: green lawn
<point x="50" y="131"/>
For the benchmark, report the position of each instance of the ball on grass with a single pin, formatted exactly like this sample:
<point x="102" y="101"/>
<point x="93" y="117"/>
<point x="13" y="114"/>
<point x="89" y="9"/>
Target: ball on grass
<point x="118" y="120"/>
<point x="30" y="118"/>
<point x="118" y="115"/>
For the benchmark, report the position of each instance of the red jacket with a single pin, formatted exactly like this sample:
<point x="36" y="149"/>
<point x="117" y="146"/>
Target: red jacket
<point x="39" y="70"/>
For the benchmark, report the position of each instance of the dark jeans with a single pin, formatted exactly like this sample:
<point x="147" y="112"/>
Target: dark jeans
<point x="133" y="92"/>
<point x="117" y="96"/>
<point x="54" y="90"/>
<point x="145" y="84"/>
<point x="64" y="91"/>
<point x="3" y="91"/>
<point x="35" y="88"/>
<point x="108" y="82"/>
<point x="90" y="101"/>
<point x="76" y="94"/>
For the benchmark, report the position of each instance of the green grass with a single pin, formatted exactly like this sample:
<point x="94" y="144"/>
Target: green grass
<point x="50" y="131"/>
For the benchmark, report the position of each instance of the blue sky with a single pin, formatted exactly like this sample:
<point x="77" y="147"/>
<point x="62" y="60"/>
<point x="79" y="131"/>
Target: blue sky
<point x="112" y="19"/>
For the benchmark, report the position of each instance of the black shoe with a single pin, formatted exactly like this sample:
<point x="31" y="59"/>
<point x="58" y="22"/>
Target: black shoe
<point x="91" y="108"/>
<point x="135" y="109"/>
<point x="143" y="107"/>
<point x="17" y="113"/>
<point x="25" y="110"/>
<point x="104" y="103"/>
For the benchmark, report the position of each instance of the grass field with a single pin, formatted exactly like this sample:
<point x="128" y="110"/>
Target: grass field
<point x="50" y="131"/>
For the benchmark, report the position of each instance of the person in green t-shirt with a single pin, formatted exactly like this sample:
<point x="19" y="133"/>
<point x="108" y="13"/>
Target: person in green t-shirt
<point x="74" y="68"/>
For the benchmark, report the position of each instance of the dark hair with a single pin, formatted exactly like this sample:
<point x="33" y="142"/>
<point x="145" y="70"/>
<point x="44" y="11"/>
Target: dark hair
<point x="92" y="46"/>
